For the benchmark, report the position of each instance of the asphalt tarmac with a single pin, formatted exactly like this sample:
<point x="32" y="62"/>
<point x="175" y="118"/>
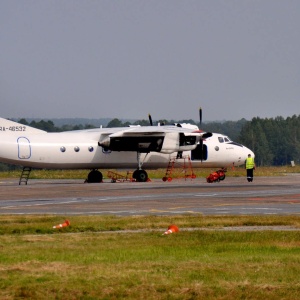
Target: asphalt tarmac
<point x="279" y="195"/>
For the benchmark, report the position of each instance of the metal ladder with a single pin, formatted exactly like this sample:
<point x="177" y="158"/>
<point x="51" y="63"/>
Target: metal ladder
<point x="183" y="166"/>
<point x="25" y="175"/>
<point x="170" y="167"/>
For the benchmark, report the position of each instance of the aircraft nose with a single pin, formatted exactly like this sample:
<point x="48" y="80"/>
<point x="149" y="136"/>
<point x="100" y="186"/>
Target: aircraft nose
<point x="247" y="151"/>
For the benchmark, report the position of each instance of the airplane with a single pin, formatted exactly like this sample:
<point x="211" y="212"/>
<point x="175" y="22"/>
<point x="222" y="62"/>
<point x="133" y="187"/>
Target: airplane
<point x="140" y="147"/>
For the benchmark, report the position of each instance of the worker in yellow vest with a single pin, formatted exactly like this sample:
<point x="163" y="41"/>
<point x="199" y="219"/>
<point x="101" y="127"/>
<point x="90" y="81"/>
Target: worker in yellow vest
<point x="250" y="166"/>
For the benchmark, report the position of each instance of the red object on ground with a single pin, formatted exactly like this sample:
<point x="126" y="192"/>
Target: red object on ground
<point x="172" y="229"/>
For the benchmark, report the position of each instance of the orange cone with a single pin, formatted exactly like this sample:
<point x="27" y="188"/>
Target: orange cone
<point x="67" y="223"/>
<point x="172" y="229"/>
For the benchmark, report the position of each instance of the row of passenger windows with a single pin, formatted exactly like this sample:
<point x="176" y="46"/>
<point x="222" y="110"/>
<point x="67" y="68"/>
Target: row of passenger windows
<point x="76" y="149"/>
<point x="91" y="148"/>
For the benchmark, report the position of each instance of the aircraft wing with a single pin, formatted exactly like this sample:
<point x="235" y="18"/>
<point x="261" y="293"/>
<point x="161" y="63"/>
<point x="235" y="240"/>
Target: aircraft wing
<point x="165" y="139"/>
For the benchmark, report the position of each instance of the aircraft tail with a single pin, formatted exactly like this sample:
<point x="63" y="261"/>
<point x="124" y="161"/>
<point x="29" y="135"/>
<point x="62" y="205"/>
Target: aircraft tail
<point x="7" y="126"/>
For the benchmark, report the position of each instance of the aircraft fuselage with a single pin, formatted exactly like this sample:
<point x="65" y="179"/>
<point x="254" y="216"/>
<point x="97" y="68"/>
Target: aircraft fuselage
<point x="80" y="150"/>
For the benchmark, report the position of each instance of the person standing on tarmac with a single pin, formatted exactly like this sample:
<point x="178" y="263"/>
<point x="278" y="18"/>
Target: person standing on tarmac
<point x="250" y="166"/>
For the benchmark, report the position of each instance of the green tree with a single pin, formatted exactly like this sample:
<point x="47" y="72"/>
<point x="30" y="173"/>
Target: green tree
<point x="274" y="141"/>
<point x="23" y="121"/>
<point x="115" y="123"/>
<point x="44" y="125"/>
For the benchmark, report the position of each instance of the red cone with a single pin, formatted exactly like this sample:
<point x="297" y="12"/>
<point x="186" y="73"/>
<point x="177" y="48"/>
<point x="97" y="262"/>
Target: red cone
<point x="172" y="229"/>
<point x="67" y="223"/>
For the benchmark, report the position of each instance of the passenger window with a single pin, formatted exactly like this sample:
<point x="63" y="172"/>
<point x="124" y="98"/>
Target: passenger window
<point x="221" y="140"/>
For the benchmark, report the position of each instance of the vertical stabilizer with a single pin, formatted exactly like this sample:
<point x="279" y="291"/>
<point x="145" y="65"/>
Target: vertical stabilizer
<point x="7" y="126"/>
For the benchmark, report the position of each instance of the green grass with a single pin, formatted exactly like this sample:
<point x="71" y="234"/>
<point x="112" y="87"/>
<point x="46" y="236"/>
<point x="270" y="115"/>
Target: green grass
<point x="154" y="174"/>
<point x="19" y="225"/>
<point x="91" y="260"/>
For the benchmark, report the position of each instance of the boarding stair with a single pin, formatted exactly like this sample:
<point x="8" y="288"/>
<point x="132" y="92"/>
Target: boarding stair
<point x="24" y="175"/>
<point x="179" y="168"/>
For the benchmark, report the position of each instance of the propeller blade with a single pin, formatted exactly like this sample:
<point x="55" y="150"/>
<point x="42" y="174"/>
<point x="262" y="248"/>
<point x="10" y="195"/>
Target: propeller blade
<point x="150" y="120"/>
<point x="200" y="115"/>
<point x="203" y="137"/>
<point x="206" y="135"/>
<point x="201" y="147"/>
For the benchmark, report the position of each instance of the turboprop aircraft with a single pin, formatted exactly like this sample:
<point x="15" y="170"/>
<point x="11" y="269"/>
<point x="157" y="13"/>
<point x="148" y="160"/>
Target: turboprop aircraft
<point x="116" y="148"/>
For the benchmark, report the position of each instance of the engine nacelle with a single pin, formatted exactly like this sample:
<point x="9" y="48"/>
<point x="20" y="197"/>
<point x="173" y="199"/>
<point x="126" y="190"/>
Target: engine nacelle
<point x="187" y="125"/>
<point x="171" y="143"/>
<point x="174" y="142"/>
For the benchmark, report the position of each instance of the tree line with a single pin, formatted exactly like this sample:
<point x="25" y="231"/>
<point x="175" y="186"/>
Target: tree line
<point x="275" y="141"/>
<point x="49" y="126"/>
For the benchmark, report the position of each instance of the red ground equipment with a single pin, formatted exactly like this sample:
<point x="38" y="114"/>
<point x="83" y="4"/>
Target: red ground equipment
<point x="179" y="168"/>
<point x="216" y="176"/>
<point x="116" y="177"/>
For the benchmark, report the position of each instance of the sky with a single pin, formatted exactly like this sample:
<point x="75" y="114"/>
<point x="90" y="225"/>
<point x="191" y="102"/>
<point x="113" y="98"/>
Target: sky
<point x="125" y="59"/>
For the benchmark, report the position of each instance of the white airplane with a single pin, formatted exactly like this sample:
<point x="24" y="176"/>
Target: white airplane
<point x="116" y="148"/>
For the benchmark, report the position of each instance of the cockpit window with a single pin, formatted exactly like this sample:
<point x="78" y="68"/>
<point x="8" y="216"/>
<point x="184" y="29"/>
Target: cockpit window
<point x="221" y="140"/>
<point x="226" y="139"/>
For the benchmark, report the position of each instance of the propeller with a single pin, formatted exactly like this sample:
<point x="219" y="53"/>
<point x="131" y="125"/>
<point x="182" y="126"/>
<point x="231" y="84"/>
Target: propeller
<point x="200" y="115"/>
<point x="150" y="119"/>
<point x="204" y="136"/>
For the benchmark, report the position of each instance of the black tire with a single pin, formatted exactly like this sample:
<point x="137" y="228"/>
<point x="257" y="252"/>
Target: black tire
<point x="140" y="175"/>
<point x="95" y="176"/>
<point x="135" y="174"/>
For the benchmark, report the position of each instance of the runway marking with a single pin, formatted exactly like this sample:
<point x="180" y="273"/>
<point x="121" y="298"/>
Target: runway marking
<point x="206" y="195"/>
<point x="180" y="207"/>
<point x="158" y="210"/>
<point x="228" y="204"/>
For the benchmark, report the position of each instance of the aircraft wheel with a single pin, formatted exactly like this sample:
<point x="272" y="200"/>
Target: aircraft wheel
<point x="140" y="175"/>
<point x="134" y="174"/>
<point x="94" y="176"/>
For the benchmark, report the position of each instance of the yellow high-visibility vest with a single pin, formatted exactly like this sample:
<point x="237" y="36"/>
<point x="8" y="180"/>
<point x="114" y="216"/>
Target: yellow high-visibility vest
<point x="249" y="163"/>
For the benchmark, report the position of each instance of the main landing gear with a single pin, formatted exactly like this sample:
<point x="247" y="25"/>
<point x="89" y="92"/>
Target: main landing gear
<point x="139" y="174"/>
<point x="94" y="176"/>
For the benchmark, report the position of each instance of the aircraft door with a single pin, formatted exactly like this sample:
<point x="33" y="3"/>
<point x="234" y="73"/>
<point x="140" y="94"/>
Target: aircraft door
<point x="24" y="149"/>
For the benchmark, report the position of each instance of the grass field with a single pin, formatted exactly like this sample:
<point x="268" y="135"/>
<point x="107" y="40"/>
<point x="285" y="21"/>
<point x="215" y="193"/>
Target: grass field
<point x="109" y="257"/>
<point x="160" y="173"/>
